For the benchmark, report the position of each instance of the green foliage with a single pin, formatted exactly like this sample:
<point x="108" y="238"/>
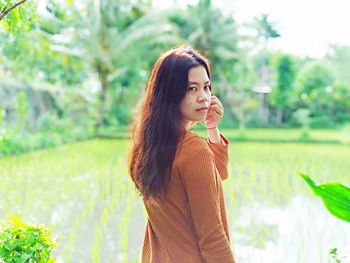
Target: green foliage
<point x="22" y="243"/>
<point x="285" y="73"/>
<point x="327" y="99"/>
<point x="9" y="139"/>
<point x="101" y="33"/>
<point x="265" y="28"/>
<point x="328" y="106"/>
<point x="314" y="75"/>
<point x="303" y="117"/>
<point x="335" y="196"/>
<point x="15" y="17"/>
<point x="84" y="49"/>
<point x="338" y="58"/>
<point x="281" y="96"/>
<point x="2" y="114"/>
<point x="10" y="142"/>
<point x="22" y="109"/>
<point x="53" y="131"/>
<point x="31" y="55"/>
<point x="334" y="255"/>
<point x="206" y="29"/>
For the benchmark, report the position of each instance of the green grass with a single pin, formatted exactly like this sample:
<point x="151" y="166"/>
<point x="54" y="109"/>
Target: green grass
<point x="68" y="188"/>
<point x="82" y="191"/>
<point x="262" y="135"/>
<point x="286" y="135"/>
<point x="269" y="170"/>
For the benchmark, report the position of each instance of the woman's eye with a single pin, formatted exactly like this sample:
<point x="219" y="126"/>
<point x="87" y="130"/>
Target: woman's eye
<point x="192" y="88"/>
<point x="207" y="87"/>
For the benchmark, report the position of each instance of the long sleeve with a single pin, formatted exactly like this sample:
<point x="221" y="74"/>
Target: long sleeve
<point x="197" y="170"/>
<point x="221" y="156"/>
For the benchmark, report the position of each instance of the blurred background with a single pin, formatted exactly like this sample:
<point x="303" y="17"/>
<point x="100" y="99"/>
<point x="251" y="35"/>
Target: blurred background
<point x="72" y="73"/>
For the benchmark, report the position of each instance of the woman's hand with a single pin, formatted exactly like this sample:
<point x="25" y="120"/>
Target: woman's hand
<point x="215" y="113"/>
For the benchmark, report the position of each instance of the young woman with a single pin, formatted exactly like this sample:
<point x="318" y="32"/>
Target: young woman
<point x="177" y="172"/>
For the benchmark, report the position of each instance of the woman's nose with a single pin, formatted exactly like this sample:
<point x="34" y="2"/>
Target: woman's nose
<point x="203" y="96"/>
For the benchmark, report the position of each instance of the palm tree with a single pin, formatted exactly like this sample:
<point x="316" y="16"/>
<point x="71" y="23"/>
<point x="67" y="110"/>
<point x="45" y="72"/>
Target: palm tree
<point x="216" y="36"/>
<point x="265" y="31"/>
<point x="208" y="30"/>
<point x="105" y="30"/>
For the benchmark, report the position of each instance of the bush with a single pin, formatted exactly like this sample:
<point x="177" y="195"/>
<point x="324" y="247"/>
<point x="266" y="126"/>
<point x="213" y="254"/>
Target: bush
<point x="52" y="131"/>
<point x="322" y="122"/>
<point x="20" y="243"/>
<point x="10" y="143"/>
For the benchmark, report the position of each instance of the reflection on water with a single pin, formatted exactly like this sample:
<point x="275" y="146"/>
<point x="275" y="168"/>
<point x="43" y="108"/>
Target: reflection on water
<point x="301" y="232"/>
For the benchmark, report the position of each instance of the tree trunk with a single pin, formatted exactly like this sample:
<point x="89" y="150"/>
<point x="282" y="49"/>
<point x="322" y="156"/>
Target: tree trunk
<point x="279" y="117"/>
<point x="102" y="73"/>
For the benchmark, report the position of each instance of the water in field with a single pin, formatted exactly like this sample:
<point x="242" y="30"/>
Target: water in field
<point x="82" y="193"/>
<point x="301" y="232"/>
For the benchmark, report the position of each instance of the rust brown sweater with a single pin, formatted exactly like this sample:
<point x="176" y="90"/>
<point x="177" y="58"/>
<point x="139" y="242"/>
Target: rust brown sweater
<point x="191" y="225"/>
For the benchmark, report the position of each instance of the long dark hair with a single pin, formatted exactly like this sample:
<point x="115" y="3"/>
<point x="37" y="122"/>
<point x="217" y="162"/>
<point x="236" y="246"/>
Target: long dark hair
<point x="158" y="125"/>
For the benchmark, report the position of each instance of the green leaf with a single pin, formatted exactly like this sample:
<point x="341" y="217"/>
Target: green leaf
<point x="20" y="242"/>
<point x="335" y="196"/>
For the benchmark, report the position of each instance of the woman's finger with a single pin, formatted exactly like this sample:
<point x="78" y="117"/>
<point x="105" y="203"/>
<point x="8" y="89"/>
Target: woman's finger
<point x="216" y="101"/>
<point x="217" y="108"/>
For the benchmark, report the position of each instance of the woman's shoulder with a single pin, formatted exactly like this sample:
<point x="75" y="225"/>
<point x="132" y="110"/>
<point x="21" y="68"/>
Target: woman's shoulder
<point x="192" y="143"/>
<point x="193" y="138"/>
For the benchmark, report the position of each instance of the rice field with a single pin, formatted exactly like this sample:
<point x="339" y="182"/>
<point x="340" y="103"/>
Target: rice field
<point x="82" y="193"/>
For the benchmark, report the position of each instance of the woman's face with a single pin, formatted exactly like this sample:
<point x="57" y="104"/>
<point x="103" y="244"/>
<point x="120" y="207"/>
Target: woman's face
<point x="197" y="97"/>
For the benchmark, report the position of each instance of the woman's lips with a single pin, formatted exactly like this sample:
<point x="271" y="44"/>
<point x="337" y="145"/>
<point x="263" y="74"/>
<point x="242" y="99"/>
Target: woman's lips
<point x="202" y="110"/>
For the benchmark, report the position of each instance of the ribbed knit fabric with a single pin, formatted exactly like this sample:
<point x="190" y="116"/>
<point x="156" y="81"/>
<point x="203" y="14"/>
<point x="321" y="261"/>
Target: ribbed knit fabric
<point x="190" y="225"/>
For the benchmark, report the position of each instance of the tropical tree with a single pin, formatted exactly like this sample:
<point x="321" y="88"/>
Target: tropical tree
<point x="265" y="29"/>
<point x="314" y="75"/>
<point x="206" y="29"/>
<point x="215" y="35"/>
<point x="100" y="33"/>
<point x="282" y="91"/>
<point x="320" y="92"/>
<point x="338" y="58"/>
<point x="238" y="91"/>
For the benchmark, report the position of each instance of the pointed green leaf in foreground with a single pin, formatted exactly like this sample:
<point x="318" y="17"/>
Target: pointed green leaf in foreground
<point x="335" y="196"/>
